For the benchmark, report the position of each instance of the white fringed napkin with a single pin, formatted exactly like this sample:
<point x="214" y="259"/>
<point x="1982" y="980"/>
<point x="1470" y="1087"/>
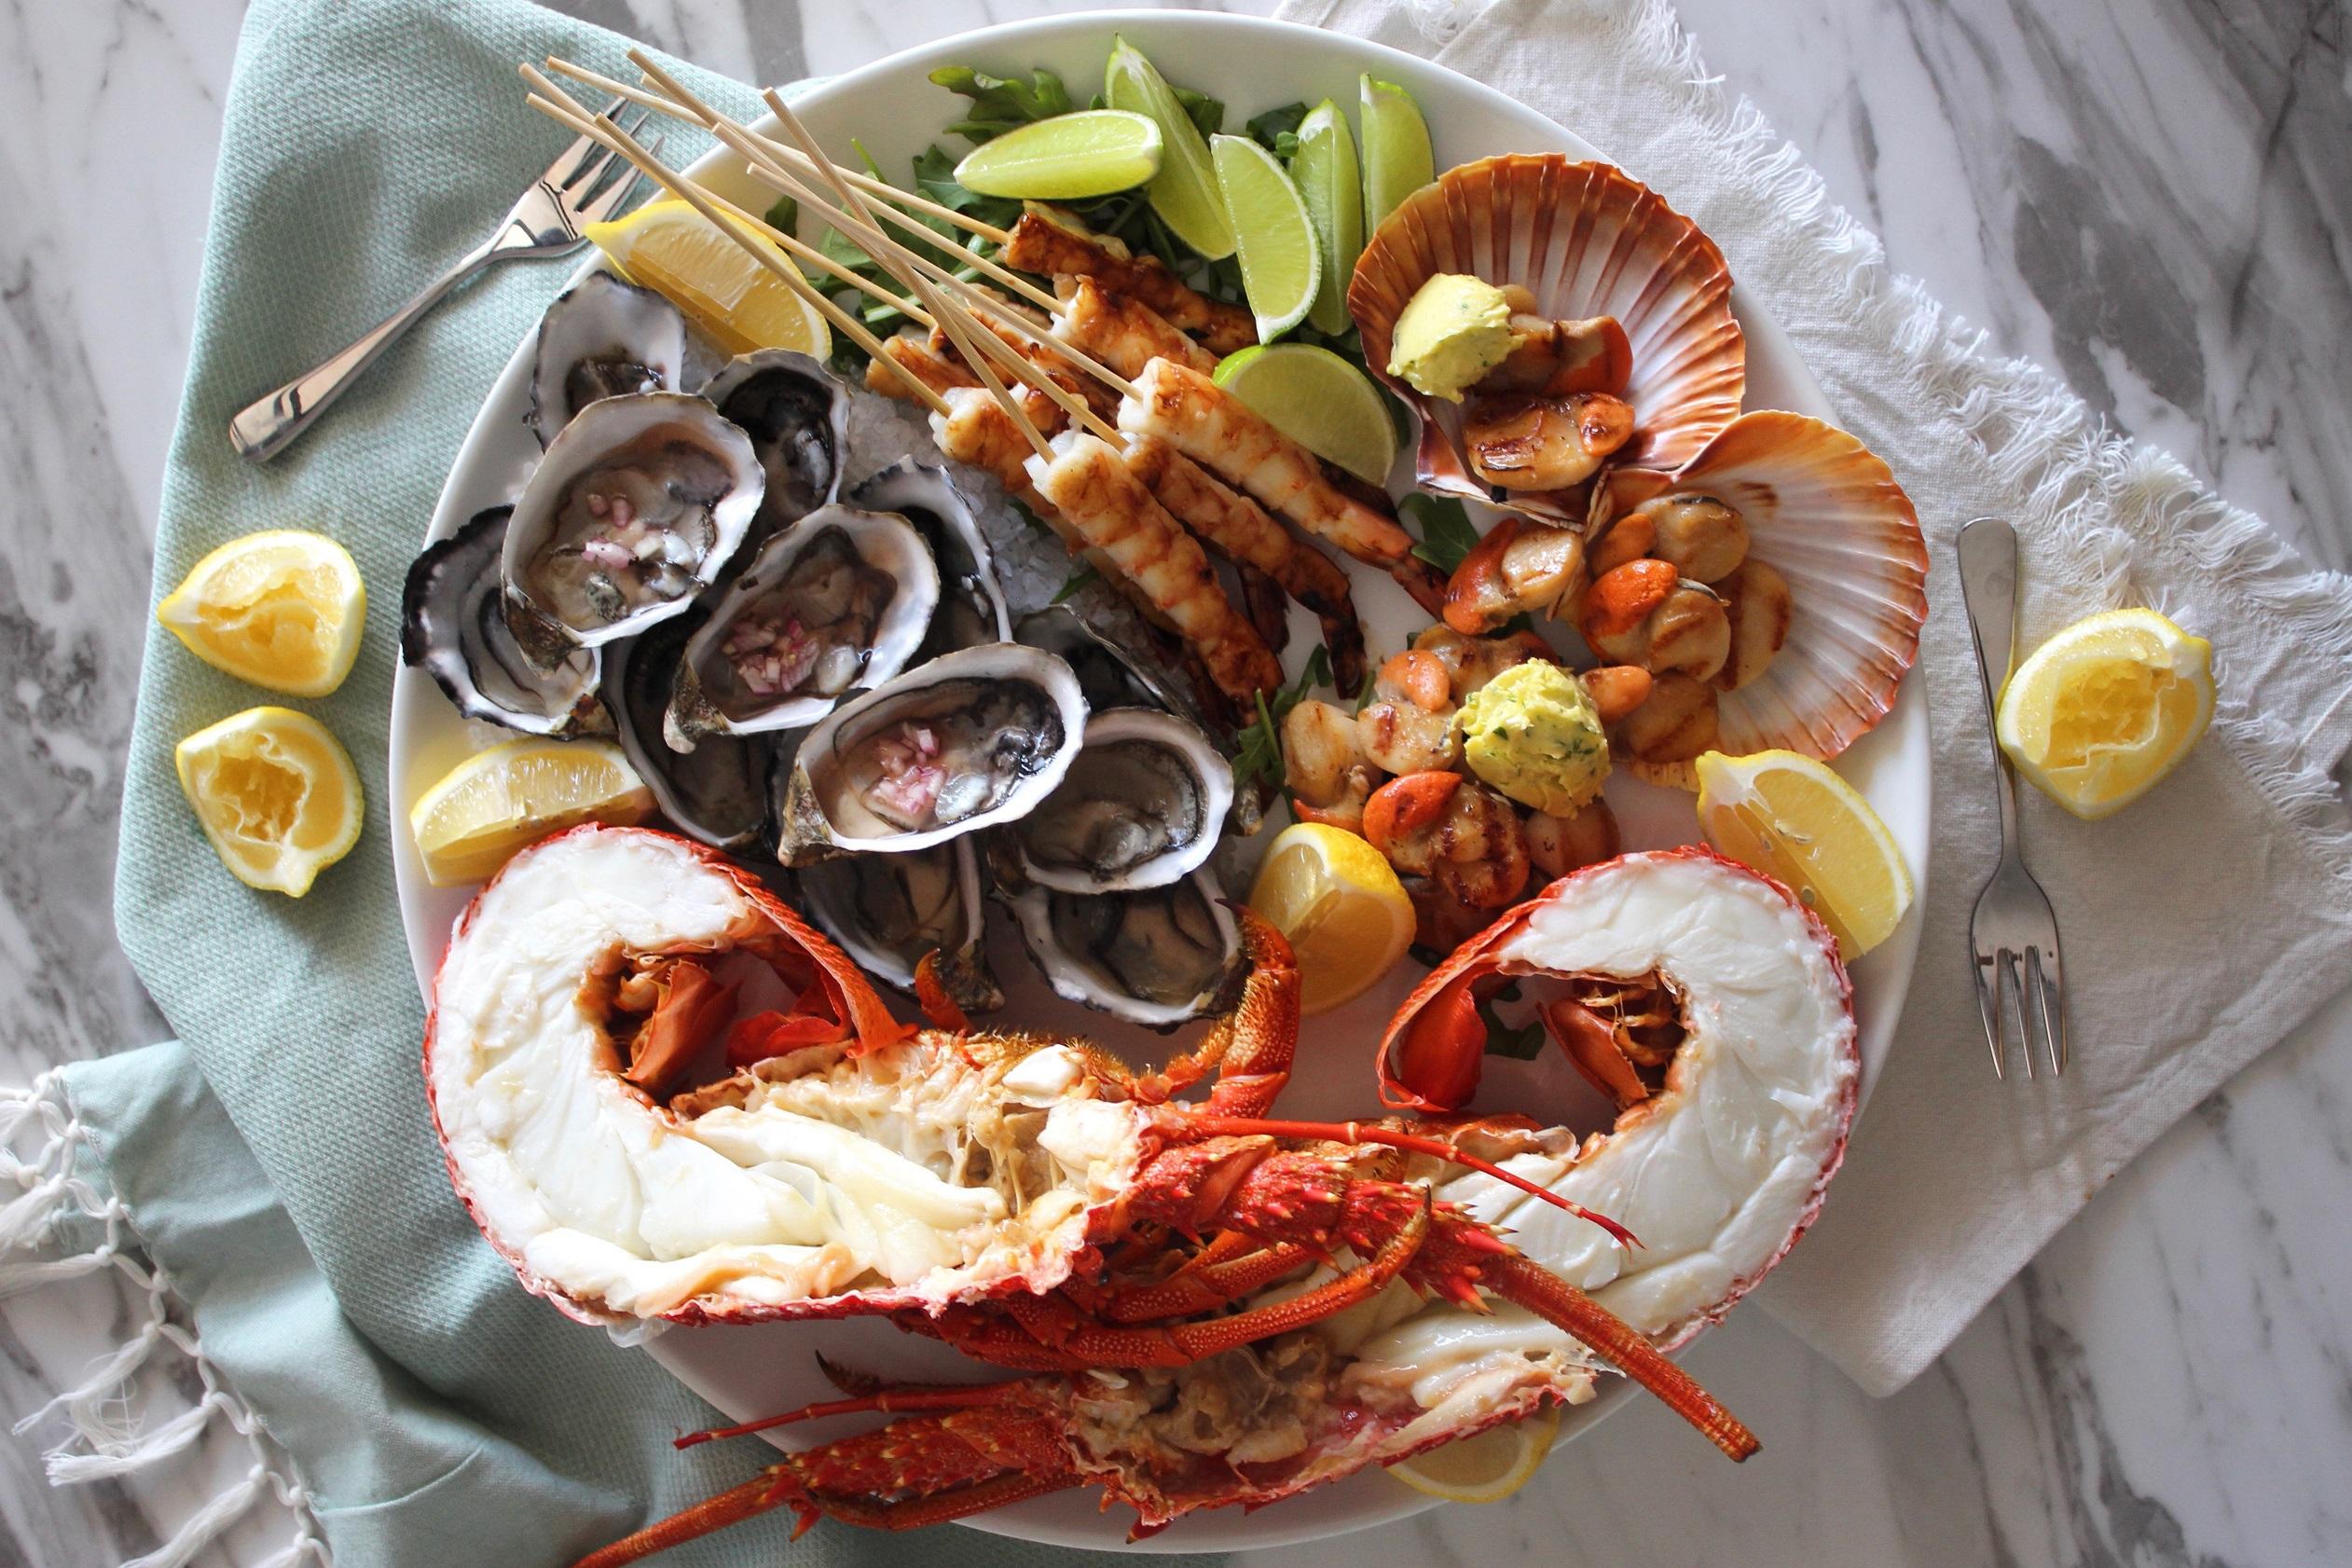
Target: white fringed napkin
<point x="2203" y="923"/>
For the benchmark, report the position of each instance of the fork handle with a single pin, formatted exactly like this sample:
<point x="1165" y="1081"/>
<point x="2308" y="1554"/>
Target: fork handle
<point x="269" y="425"/>
<point x="1989" y="588"/>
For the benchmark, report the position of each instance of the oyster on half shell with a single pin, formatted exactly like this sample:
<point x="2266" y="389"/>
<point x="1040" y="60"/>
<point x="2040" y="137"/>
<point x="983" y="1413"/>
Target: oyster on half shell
<point x="453" y="627"/>
<point x="1157" y="957"/>
<point x="1142" y="806"/>
<point x="888" y="911"/>
<point x="602" y="338"/>
<point x="972" y="739"/>
<point x="638" y="505"/>
<point x="839" y="600"/>
<point x="972" y="605"/>
<point x="796" y="414"/>
<point x="721" y="791"/>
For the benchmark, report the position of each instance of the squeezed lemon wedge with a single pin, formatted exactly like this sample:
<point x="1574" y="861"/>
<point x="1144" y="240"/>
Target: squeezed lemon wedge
<point x="495" y="802"/>
<point x="1347" y="915"/>
<point x="1789" y="816"/>
<point x="283" y="610"/>
<point x="721" y="288"/>
<point x="276" y="794"/>
<point x="2106" y="707"/>
<point x="1487" y="1466"/>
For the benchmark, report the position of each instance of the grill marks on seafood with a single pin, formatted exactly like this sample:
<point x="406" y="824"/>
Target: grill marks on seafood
<point x="1112" y="511"/>
<point x="1123" y="334"/>
<point x="1039" y="244"/>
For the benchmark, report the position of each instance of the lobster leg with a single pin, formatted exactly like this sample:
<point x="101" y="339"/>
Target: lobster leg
<point x="1251" y="1048"/>
<point x="894" y="1401"/>
<point x="731" y="1506"/>
<point x="914" y="1513"/>
<point x="1204" y="1288"/>
<point x="1520" y="1280"/>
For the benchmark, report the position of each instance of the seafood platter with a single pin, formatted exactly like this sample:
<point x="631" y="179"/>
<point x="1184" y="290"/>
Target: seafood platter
<point x="935" y="1006"/>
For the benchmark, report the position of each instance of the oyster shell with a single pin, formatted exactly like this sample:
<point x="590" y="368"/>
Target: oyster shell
<point x="602" y="338"/>
<point x="972" y="739"/>
<point x="1586" y="239"/>
<point x="887" y="911"/>
<point x="453" y="627"/>
<point x="839" y="600"/>
<point x="796" y="413"/>
<point x="972" y="606"/>
<point x="1142" y="806"/>
<point x="638" y="505"/>
<point x="1157" y="957"/>
<point x="1107" y="676"/>
<point x="1825" y="513"/>
<point x="721" y="791"/>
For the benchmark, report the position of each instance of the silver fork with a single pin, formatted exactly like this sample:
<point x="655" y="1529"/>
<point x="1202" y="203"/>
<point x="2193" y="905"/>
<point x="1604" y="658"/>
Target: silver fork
<point x="577" y="189"/>
<point x="2013" y="938"/>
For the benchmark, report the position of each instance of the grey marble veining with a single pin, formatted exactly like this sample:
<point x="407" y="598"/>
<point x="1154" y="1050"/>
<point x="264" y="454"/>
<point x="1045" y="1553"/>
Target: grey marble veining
<point x="2151" y="197"/>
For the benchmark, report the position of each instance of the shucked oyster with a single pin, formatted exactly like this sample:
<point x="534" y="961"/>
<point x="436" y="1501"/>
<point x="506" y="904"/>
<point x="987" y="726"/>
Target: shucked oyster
<point x="838" y="601"/>
<point x="888" y="911"/>
<point x="796" y="415"/>
<point x="600" y="338"/>
<point x="972" y="740"/>
<point x="720" y="792"/>
<point x="636" y="507"/>
<point x="453" y="629"/>
<point x="972" y="606"/>
<point x="1158" y="956"/>
<point x="1141" y="806"/>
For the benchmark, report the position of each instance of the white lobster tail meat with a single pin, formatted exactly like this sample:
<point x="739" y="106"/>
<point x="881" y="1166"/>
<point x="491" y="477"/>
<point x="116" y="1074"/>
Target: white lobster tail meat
<point x="892" y="1171"/>
<point x="1720" y="1172"/>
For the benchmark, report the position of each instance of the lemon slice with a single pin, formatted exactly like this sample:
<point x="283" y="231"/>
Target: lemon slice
<point x="1184" y="193"/>
<point x="1485" y="1467"/>
<point x="283" y="610"/>
<point x="275" y="792"/>
<point x="1340" y="902"/>
<point x="2106" y="707"/>
<point x="497" y="801"/>
<point x="738" y="304"/>
<point x="1332" y="187"/>
<point x="1093" y="152"/>
<point x="1317" y="399"/>
<point x="1282" y="261"/>
<point x="1789" y="816"/>
<point x="1397" y="160"/>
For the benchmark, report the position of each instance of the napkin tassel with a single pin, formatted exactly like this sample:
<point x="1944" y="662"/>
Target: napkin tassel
<point x="106" y="1437"/>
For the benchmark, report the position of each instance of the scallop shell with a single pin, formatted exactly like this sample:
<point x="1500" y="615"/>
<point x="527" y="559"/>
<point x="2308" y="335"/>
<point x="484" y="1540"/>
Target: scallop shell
<point x="1587" y="239"/>
<point x="1825" y="512"/>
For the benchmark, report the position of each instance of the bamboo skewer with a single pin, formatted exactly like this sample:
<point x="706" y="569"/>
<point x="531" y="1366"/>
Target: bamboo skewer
<point x="552" y="100"/>
<point x="777" y="166"/>
<point x="1020" y="363"/>
<point x="882" y="188"/>
<point x="862" y="231"/>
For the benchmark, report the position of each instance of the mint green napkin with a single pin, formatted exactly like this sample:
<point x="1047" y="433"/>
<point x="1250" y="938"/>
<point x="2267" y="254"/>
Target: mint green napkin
<point x="435" y="1413"/>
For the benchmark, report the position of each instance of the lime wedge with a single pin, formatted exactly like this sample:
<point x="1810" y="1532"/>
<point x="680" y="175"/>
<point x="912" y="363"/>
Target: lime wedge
<point x="1317" y="399"/>
<point x="1184" y="192"/>
<point x="1282" y="265"/>
<point x="1324" y="170"/>
<point x="1069" y="157"/>
<point x="1397" y="157"/>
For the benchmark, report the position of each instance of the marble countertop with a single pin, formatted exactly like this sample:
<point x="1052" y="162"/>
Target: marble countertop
<point x="2151" y="197"/>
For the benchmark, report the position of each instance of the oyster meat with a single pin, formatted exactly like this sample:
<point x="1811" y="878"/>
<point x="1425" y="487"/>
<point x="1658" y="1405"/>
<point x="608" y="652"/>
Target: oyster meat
<point x="453" y="629"/>
<point x="602" y="338"/>
<point x="972" y="740"/>
<point x="796" y="415"/>
<point x="838" y="601"/>
<point x="635" y="509"/>
<point x="887" y="912"/>
<point x="1141" y="806"/>
<point x="1156" y="957"/>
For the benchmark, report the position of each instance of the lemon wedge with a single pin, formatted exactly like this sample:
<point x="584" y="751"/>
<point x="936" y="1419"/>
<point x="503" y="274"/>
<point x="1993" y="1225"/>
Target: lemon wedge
<point x="1790" y="816"/>
<point x="283" y="610"/>
<point x="1487" y="1466"/>
<point x="275" y="792"/>
<point x="737" y="303"/>
<point x="2106" y="707"/>
<point x="1348" y="918"/>
<point x="497" y="801"/>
